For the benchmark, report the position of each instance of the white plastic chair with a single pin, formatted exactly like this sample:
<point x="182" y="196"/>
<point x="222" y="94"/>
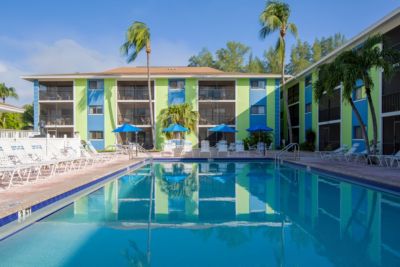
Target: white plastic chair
<point x="205" y="147"/>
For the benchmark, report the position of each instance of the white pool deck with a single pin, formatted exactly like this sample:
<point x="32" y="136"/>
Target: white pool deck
<point x="24" y="196"/>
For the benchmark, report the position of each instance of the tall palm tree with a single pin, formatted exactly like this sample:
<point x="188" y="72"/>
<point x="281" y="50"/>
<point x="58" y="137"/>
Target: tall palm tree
<point x="182" y="114"/>
<point x="275" y="17"/>
<point x="359" y="64"/>
<point x="331" y="75"/>
<point x="137" y="39"/>
<point x="6" y="92"/>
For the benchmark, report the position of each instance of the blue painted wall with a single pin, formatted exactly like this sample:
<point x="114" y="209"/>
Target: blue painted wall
<point x="96" y="121"/>
<point x="175" y="96"/>
<point x="362" y="107"/>
<point x="277" y="129"/>
<point x="258" y="97"/>
<point x="36" y="105"/>
<point x="307" y="100"/>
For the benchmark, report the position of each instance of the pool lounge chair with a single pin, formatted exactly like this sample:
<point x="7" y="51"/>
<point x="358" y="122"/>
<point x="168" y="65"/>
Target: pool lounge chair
<point x="222" y="148"/>
<point x="187" y="148"/>
<point x="393" y="159"/>
<point x="205" y="147"/>
<point x="330" y="154"/>
<point x="168" y="149"/>
<point x="346" y="156"/>
<point x="239" y="147"/>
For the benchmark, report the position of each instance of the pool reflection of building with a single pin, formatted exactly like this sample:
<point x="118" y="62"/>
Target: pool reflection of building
<point x="336" y="214"/>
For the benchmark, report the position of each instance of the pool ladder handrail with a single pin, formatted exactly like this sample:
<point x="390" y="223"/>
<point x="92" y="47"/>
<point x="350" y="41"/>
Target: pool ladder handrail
<point x="296" y="151"/>
<point x="141" y="150"/>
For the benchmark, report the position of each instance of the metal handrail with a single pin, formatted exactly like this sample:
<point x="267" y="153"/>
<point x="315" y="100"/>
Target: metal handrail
<point x="296" y="151"/>
<point x="139" y="148"/>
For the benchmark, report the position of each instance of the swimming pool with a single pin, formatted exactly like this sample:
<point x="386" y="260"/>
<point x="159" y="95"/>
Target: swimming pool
<point x="216" y="214"/>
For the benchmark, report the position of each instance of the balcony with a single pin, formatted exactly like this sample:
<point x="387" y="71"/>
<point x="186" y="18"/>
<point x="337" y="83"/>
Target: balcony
<point x="217" y="113"/>
<point x="57" y="114"/>
<point x="217" y="119"/>
<point x="134" y="113"/>
<point x="216" y="90"/>
<point x="56" y="91"/>
<point x="133" y="119"/>
<point x="134" y="90"/>
<point x="391" y="102"/>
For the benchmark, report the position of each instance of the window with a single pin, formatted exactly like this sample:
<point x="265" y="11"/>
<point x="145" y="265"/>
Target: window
<point x="93" y="85"/>
<point x="357" y="132"/>
<point x="358" y="93"/>
<point x="308" y="107"/>
<point x="95" y="109"/>
<point x="257" y="84"/>
<point x="176" y="84"/>
<point x="257" y="110"/>
<point x="95" y="135"/>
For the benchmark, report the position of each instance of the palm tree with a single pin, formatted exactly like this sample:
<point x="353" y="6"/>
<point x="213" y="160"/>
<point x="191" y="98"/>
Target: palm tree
<point x="182" y="114"/>
<point x="359" y="64"/>
<point x="6" y="92"/>
<point x="331" y="75"/>
<point x="275" y="17"/>
<point x="137" y="39"/>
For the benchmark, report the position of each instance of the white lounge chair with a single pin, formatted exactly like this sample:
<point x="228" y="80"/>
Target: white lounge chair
<point x="239" y="147"/>
<point x="392" y="159"/>
<point x="187" y="148"/>
<point x="222" y="148"/>
<point x="205" y="147"/>
<point x="168" y="148"/>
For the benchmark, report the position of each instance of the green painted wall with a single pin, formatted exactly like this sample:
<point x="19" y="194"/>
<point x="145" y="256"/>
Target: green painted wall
<point x="242" y="193"/>
<point x="242" y="108"/>
<point x="375" y="74"/>
<point x="346" y="125"/>
<point x="161" y="102"/>
<point x="110" y="106"/>
<point x="302" y="110"/>
<point x="191" y="97"/>
<point x="160" y="196"/>
<point x="271" y="104"/>
<point x="80" y="109"/>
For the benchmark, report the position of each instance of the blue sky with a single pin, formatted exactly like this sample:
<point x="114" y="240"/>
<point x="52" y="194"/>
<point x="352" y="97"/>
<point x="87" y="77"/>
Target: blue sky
<point x="47" y="36"/>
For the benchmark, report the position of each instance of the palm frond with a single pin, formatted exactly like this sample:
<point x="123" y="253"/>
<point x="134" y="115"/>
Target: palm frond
<point x="292" y="28"/>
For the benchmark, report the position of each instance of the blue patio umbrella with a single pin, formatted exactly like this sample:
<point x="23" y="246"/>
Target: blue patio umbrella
<point x="127" y="128"/>
<point x="222" y="128"/>
<point x="174" y="128"/>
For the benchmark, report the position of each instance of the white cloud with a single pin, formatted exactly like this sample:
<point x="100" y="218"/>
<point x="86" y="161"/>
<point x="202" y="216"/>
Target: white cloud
<point x="66" y="56"/>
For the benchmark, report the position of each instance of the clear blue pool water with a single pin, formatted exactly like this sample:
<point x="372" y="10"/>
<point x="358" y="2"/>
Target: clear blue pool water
<point x="216" y="214"/>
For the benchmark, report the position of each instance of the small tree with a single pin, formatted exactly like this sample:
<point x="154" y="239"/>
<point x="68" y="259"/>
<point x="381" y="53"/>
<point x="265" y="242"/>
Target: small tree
<point x="182" y="114"/>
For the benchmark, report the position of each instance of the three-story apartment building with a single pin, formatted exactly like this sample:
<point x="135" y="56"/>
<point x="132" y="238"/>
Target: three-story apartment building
<point x="93" y="104"/>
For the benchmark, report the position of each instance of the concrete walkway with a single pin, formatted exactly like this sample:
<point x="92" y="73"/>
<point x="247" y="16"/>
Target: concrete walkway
<point x="24" y="196"/>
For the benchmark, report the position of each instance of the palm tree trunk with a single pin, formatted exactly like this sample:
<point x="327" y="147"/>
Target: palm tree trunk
<point x="153" y="132"/>
<point x="362" y="125"/>
<point x="286" y="100"/>
<point x="374" y="120"/>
